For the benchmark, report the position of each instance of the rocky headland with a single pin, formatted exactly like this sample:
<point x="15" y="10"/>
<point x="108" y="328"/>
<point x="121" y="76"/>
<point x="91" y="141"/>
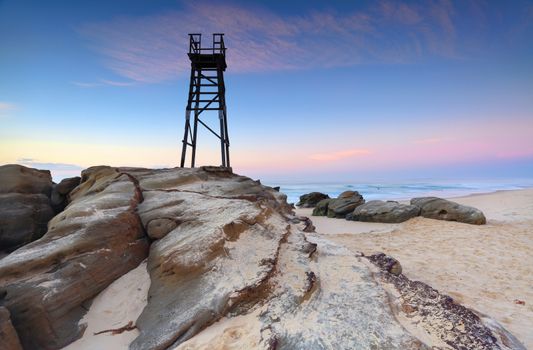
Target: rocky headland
<point x="230" y="267"/>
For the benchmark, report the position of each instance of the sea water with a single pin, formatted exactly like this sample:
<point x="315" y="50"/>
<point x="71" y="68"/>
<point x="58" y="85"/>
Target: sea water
<point x="401" y="190"/>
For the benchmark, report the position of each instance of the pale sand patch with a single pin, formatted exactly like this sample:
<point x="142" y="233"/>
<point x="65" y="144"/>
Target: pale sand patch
<point x="121" y="302"/>
<point x="235" y="333"/>
<point x="483" y="267"/>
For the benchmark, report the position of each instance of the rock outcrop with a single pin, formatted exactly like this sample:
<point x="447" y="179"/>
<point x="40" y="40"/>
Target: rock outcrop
<point x="442" y="209"/>
<point x="25" y="207"/>
<point x="228" y="256"/>
<point x="98" y="238"/>
<point x="344" y="204"/>
<point x="310" y="200"/>
<point x="380" y="211"/>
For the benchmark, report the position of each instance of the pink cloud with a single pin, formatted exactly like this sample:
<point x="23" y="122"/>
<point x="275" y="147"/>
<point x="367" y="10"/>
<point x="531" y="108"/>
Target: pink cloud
<point x="152" y="48"/>
<point x="338" y="155"/>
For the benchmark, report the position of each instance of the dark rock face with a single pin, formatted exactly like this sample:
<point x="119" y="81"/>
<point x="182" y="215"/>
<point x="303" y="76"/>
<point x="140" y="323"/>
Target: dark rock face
<point x="380" y="211"/>
<point x="23" y="218"/>
<point x="98" y="238"/>
<point x="9" y="339"/>
<point x="344" y="204"/>
<point x="442" y="209"/>
<point x="24" y="205"/>
<point x="310" y="200"/>
<point x="59" y="196"/>
<point x="321" y="208"/>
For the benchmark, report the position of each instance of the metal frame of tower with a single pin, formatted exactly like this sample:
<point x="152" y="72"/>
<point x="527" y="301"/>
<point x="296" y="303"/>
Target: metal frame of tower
<point x="206" y="93"/>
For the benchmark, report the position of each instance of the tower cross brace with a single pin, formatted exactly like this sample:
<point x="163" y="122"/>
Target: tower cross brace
<point x="207" y="92"/>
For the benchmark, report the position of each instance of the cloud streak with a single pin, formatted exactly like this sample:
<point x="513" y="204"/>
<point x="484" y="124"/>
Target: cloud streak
<point x="5" y="108"/>
<point x="333" y="156"/>
<point x="152" y="48"/>
<point x="103" y="82"/>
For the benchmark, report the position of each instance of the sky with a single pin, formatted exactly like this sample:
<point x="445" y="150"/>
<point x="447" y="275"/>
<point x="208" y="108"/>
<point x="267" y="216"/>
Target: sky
<point x="316" y="90"/>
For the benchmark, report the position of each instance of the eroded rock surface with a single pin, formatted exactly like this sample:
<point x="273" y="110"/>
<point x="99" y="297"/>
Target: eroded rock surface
<point x="95" y="240"/>
<point x="381" y="211"/>
<point x="442" y="209"/>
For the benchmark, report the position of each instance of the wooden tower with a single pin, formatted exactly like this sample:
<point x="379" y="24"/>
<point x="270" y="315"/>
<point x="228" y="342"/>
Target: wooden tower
<point x="206" y="93"/>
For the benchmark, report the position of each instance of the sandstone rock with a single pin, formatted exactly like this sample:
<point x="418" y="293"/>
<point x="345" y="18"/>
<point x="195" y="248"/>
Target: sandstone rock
<point x="442" y="209"/>
<point x="23" y="218"/>
<point x="224" y="248"/>
<point x="59" y="196"/>
<point x="321" y="208"/>
<point x="95" y="240"/>
<point x="20" y="179"/>
<point x="344" y="204"/>
<point x="380" y="211"/>
<point x="310" y="200"/>
<point x="9" y="339"/>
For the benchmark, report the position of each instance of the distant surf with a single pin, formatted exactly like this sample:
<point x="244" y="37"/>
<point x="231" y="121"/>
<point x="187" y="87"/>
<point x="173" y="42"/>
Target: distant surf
<point x="402" y="191"/>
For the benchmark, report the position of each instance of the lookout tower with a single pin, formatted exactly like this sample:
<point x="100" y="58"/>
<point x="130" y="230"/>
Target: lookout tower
<point x="206" y="93"/>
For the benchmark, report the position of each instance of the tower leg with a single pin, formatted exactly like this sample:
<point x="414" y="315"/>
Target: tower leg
<point x="185" y="138"/>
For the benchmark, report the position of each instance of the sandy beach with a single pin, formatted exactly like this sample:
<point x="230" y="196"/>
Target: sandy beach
<point x="488" y="268"/>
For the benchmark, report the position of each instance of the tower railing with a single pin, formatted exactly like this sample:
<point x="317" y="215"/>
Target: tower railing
<point x="217" y="48"/>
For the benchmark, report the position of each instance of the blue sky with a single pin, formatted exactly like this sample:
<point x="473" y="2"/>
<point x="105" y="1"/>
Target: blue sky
<point x="315" y="89"/>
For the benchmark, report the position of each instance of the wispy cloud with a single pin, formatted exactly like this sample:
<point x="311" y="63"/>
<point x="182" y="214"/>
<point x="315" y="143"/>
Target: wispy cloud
<point x="338" y="155"/>
<point x="152" y="48"/>
<point x="5" y="108"/>
<point x="59" y="170"/>
<point x="103" y="82"/>
<point x="430" y="140"/>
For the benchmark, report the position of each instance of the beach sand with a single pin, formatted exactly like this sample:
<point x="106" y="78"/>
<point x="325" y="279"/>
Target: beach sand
<point x="484" y="267"/>
<point x="488" y="268"/>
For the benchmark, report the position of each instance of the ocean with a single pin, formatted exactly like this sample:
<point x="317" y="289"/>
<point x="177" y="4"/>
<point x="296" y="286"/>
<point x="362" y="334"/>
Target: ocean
<point x="401" y="191"/>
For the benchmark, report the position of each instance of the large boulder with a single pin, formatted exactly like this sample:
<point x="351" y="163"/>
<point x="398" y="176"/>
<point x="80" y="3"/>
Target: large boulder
<point x="98" y="238"/>
<point x="16" y="178"/>
<point x="344" y="204"/>
<point x="442" y="209"/>
<point x="380" y="211"/>
<point x="321" y="208"/>
<point x="310" y="200"/>
<point x="25" y="207"/>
